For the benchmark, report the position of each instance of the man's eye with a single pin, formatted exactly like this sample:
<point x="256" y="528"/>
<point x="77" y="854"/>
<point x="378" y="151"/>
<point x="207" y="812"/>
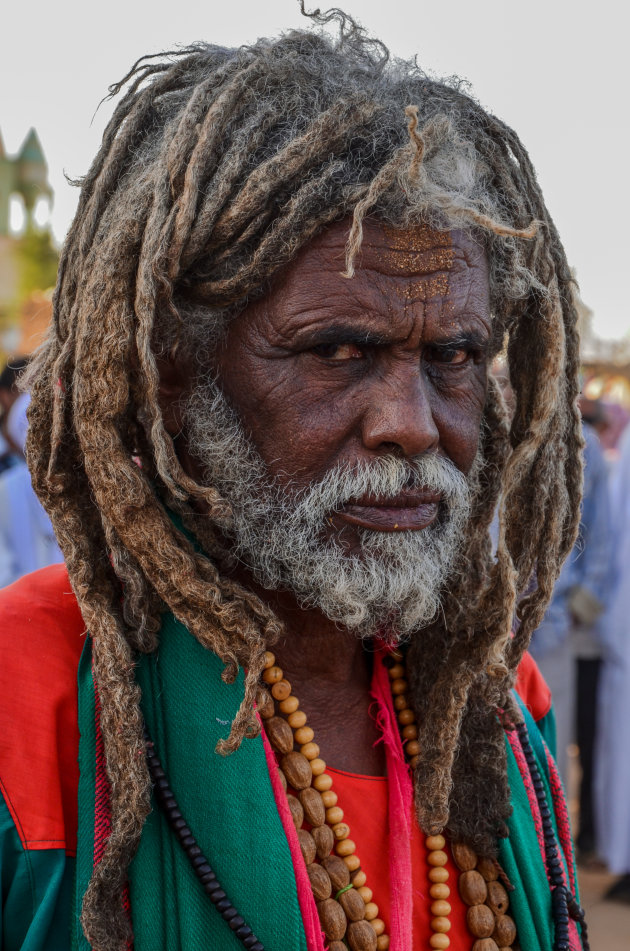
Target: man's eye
<point x="453" y="356"/>
<point x="338" y="351"/>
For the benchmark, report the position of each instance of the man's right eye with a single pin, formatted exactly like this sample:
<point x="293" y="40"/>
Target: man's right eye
<point x="338" y="352"/>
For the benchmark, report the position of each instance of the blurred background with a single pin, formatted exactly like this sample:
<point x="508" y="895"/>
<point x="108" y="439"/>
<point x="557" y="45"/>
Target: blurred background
<point x="553" y="71"/>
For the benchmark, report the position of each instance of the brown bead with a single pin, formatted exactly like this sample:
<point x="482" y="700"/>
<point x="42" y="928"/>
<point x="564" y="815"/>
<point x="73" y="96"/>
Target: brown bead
<point x="283" y="779"/>
<point x="304" y="735"/>
<point x="398" y="686"/>
<point x="464" y="857"/>
<point x="324" y="841"/>
<point x="318" y="766"/>
<point x="323" y="782"/>
<point x="396" y="672"/>
<point x="329" y="798"/>
<point x="280" y="734"/>
<point x="289" y="705"/>
<point x="345" y="847"/>
<point x="497" y="898"/>
<point x="361" y="936"/>
<point x="296" y="719"/>
<point x="382" y="942"/>
<point x="311" y="751"/>
<point x="352" y="861"/>
<point x="480" y="921"/>
<point x="440" y="924"/>
<point x="439" y="941"/>
<point x="437" y="857"/>
<point x="400" y="703"/>
<point x="352" y="904"/>
<point x="504" y="931"/>
<point x="337" y="946"/>
<point x="413" y="762"/>
<point x="440" y="907"/>
<point x="337" y="871"/>
<point x="281" y="690"/>
<point x="485" y="944"/>
<point x="264" y="703"/>
<point x="358" y="878"/>
<point x="271" y="675"/>
<point x="439" y="890"/>
<point x="405" y="715"/>
<point x="297" y="813"/>
<point x="332" y="919"/>
<point x="371" y="910"/>
<point x="410" y="732"/>
<point x="320" y="881"/>
<point x="472" y="887"/>
<point x="297" y="769"/>
<point x="378" y="926"/>
<point x="434" y="842"/>
<point x="269" y="660"/>
<point x="334" y="814"/>
<point x="313" y="806"/>
<point x="488" y="868"/>
<point x="307" y="845"/>
<point x="341" y="830"/>
<point x="438" y="874"/>
<point x="412" y="748"/>
<point x="365" y="892"/>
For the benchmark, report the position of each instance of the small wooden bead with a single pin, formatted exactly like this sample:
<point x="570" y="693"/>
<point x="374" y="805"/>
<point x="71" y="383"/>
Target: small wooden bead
<point x="472" y="887"/>
<point x="396" y="672"/>
<point x="341" y="830"/>
<point x="485" y="944"/>
<point x="264" y="703"/>
<point x="440" y="908"/>
<point x="412" y="748"/>
<point x="504" y="931"/>
<point x="360" y="936"/>
<point x="280" y="734"/>
<point x="272" y="675"/>
<point x="281" y="690"/>
<point x="345" y="847"/>
<point x="488" y="868"/>
<point x="317" y="766"/>
<point x="437" y="857"/>
<point x="463" y="856"/>
<point x="480" y="921"/>
<point x="332" y="919"/>
<point x="329" y="798"/>
<point x="359" y="878"/>
<point x="438" y="874"/>
<point x="320" y="881"/>
<point x="297" y="813"/>
<point x="337" y="871"/>
<point x="439" y="941"/>
<point x="371" y="910"/>
<point x="304" y="735"/>
<point x="289" y="705"/>
<point x="382" y="942"/>
<point x="324" y="840"/>
<point x="497" y="898"/>
<point x="400" y="702"/>
<point x="297" y="719"/>
<point x="352" y="904"/>
<point x="439" y="891"/>
<point x="378" y="925"/>
<point x="307" y="846"/>
<point x="297" y="770"/>
<point x="313" y="806"/>
<point x="269" y="660"/>
<point x="352" y="861"/>
<point x="405" y="716"/>
<point x="399" y="686"/>
<point x="364" y="892"/>
<point x="333" y="815"/>
<point x="413" y="762"/>
<point x="433" y="842"/>
<point x="311" y="751"/>
<point x="410" y="732"/>
<point x="441" y="925"/>
<point x="322" y="782"/>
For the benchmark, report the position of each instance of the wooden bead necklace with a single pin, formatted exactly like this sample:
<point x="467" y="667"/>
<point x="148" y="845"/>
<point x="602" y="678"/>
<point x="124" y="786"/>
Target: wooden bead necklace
<point x="350" y="918"/>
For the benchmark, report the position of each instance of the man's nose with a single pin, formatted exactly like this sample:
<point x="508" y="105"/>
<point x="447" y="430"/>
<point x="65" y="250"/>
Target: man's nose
<point x="399" y="414"/>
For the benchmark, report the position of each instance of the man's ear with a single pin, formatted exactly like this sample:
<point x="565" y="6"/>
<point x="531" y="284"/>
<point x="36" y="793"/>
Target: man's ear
<point x="172" y="394"/>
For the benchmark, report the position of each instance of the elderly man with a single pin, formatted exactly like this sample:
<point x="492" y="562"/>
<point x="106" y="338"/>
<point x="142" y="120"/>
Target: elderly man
<point x="264" y="430"/>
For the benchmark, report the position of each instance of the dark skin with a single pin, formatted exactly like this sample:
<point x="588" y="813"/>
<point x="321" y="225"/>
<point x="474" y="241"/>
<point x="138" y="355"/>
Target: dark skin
<point x="327" y="370"/>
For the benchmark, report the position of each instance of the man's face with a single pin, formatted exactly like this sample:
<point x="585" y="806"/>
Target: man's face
<point x="359" y="402"/>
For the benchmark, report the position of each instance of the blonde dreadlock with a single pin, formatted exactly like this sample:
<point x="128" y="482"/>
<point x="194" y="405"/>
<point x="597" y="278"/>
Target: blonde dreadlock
<point x="215" y="169"/>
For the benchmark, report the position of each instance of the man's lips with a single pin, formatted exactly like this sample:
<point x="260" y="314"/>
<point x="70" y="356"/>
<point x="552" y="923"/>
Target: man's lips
<point x="407" y="511"/>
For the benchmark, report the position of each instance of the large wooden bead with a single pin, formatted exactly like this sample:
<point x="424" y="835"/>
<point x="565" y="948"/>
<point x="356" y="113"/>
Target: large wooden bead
<point x="504" y="931"/>
<point x="480" y="921"/>
<point x="472" y="887"/>
<point x="337" y="871"/>
<point x="497" y="898"/>
<point x="307" y="845"/>
<point x="280" y="734"/>
<point x="488" y="868"/>
<point x="332" y="919"/>
<point x="485" y="944"/>
<point x="352" y="904"/>
<point x="313" y="806"/>
<point x="297" y="813"/>
<point x="283" y="779"/>
<point x="361" y="936"/>
<point x="464" y="857"/>
<point x="324" y="840"/>
<point x="297" y="770"/>
<point x="320" y="881"/>
<point x="264" y="703"/>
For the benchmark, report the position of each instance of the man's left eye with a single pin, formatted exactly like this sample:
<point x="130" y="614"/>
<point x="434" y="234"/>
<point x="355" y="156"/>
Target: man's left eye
<point x="453" y="356"/>
<point x="338" y="351"/>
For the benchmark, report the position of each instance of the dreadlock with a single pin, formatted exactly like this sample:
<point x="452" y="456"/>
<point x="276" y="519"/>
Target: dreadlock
<point x="216" y="168"/>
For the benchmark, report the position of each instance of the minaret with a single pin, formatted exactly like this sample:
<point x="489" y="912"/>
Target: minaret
<point x="25" y="175"/>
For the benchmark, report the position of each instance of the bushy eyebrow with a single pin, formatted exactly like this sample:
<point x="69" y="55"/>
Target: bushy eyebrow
<point x="345" y="333"/>
<point x="462" y="340"/>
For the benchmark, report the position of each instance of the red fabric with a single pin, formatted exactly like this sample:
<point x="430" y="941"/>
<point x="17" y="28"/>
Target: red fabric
<point x="532" y="688"/>
<point x="41" y="639"/>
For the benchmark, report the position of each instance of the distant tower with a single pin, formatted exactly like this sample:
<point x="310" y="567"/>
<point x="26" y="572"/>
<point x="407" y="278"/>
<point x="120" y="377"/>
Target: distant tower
<point x="26" y="175"/>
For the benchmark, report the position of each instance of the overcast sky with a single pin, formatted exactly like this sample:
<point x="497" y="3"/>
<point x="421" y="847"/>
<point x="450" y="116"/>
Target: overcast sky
<point x="552" y="69"/>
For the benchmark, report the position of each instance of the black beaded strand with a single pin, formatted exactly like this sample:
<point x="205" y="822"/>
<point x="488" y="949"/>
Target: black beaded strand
<point x="201" y="867"/>
<point x="563" y="904"/>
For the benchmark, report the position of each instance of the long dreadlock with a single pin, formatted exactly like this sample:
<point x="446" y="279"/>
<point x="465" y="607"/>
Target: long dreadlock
<point x="216" y="168"/>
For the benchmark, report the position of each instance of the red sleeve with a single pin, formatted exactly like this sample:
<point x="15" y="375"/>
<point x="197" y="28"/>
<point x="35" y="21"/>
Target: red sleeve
<point x="41" y="638"/>
<point x="532" y="688"/>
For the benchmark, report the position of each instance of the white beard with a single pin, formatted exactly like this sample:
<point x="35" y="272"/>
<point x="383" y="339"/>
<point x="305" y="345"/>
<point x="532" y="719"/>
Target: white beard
<point x="396" y="579"/>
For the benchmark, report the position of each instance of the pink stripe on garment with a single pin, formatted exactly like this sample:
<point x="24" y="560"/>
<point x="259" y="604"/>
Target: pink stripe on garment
<point x="310" y="918"/>
<point x="521" y="762"/>
<point x="400" y="793"/>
